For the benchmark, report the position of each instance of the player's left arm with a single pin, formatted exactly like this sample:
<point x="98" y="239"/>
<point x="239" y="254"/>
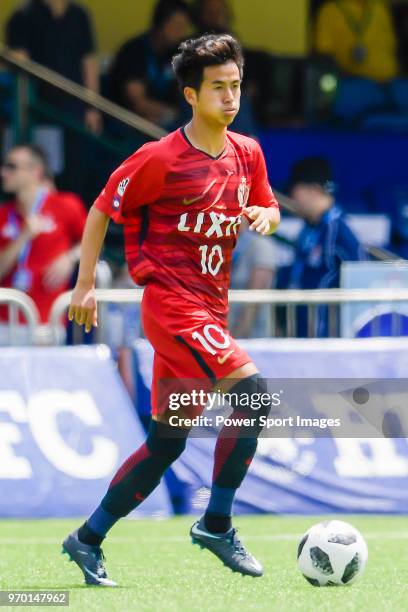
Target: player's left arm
<point x="263" y="207"/>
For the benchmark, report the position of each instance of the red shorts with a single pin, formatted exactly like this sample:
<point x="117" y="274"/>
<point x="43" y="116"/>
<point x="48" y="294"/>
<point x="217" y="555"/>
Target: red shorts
<point x="188" y="342"/>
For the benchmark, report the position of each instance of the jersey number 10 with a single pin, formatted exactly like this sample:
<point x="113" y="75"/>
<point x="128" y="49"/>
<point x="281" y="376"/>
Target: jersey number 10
<point x="207" y="259"/>
<point x="207" y="339"/>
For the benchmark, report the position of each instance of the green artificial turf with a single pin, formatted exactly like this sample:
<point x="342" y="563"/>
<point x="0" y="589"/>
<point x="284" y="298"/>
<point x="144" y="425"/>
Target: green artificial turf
<point x="157" y="568"/>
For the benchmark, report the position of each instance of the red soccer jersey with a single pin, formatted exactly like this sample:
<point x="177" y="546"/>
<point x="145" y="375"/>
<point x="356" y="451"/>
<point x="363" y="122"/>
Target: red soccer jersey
<point x="64" y="220"/>
<point x="182" y="209"/>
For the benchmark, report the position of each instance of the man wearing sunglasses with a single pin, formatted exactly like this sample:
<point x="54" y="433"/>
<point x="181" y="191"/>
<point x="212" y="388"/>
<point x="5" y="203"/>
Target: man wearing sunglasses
<point x="40" y="230"/>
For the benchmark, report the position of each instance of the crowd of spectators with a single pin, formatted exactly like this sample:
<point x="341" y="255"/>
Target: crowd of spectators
<point x="359" y="36"/>
<point x="365" y="39"/>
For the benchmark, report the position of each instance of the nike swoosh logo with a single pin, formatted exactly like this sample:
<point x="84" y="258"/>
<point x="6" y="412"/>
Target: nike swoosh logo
<point x="102" y="581"/>
<point x="222" y="360"/>
<point x="188" y="201"/>
<point x="95" y="576"/>
<point x="197" y="531"/>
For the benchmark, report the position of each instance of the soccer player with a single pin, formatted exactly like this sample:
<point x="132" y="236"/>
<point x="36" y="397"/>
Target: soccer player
<point x="181" y="201"/>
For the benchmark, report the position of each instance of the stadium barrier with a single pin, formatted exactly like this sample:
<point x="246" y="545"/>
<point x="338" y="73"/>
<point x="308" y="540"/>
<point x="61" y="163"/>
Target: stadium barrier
<point x="15" y="332"/>
<point x="12" y="333"/>
<point x="289" y="299"/>
<point x="54" y="429"/>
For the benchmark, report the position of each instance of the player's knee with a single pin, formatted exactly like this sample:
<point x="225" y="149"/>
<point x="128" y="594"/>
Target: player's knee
<point x="165" y="442"/>
<point x="250" y="395"/>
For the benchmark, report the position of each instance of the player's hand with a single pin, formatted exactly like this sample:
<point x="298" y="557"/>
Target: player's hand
<point x="83" y="308"/>
<point x="59" y="272"/>
<point x="261" y="217"/>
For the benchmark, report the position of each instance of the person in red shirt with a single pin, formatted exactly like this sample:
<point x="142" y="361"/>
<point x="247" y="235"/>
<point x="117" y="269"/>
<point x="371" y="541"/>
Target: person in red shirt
<point x="40" y="230"/>
<point x="181" y="201"/>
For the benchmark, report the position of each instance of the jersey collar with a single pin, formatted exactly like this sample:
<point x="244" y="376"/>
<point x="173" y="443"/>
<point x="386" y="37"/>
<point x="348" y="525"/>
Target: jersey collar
<point x="214" y="158"/>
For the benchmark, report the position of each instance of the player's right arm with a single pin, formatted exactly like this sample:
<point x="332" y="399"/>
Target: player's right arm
<point x="83" y="307"/>
<point x="137" y="182"/>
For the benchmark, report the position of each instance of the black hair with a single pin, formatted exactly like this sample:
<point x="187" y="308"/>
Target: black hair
<point x="196" y="54"/>
<point x="164" y="9"/>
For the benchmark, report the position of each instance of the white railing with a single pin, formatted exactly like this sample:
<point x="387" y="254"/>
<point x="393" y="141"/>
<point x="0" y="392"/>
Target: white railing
<point x="32" y="331"/>
<point x="18" y="303"/>
<point x="289" y="298"/>
<point x="54" y="333"/>
<point x="104" y="297"/>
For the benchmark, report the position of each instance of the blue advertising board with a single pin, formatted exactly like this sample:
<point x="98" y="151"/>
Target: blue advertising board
<point x="66" y="424"/>
<point x="379" y="156"/>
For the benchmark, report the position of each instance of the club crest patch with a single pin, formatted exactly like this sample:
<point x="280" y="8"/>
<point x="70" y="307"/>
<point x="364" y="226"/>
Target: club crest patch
<point x="243" y="192"/>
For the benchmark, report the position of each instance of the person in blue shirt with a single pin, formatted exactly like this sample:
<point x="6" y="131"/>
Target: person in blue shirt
<point x="325" y="240"/>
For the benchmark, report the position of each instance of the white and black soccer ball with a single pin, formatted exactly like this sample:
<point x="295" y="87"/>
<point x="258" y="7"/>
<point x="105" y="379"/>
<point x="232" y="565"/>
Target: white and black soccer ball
<point x="332" y="553"/>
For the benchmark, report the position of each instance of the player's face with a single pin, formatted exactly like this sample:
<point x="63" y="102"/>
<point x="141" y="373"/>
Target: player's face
<point x="218" y="98"/>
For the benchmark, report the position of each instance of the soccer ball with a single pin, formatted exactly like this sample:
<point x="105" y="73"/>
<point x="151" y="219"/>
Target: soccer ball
<point x="332" y="553"/>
